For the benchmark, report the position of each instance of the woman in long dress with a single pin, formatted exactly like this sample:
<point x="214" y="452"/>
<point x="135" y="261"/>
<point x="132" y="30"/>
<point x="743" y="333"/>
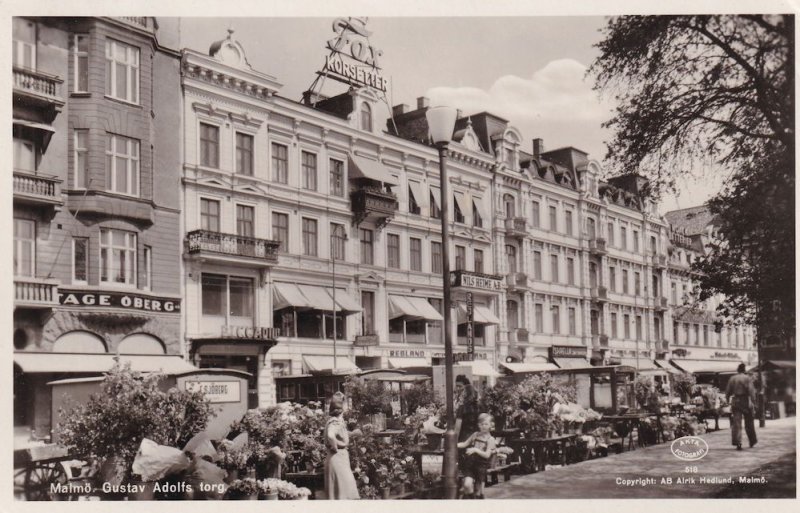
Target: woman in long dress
<point x="339" y="480"/>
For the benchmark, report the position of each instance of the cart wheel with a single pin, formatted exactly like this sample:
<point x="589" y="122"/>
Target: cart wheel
<point x="39" y="478"/>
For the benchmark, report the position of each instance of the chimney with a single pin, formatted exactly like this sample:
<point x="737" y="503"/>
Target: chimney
<point x="400" y="109"/>
<point x="423" y="102"/>
<point x="538" y="147"/>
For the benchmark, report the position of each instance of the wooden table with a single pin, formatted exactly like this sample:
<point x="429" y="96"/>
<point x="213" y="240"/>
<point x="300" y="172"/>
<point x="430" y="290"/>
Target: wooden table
<point x="534" y="453"/>
<point x="630" y="421"/>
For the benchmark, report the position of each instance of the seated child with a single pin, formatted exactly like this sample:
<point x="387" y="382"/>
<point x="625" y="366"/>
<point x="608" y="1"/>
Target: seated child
<point x="480" y="447"/>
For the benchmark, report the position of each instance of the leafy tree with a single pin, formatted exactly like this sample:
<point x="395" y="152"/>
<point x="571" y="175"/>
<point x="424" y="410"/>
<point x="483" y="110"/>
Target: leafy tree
<point x="694" y="88"/>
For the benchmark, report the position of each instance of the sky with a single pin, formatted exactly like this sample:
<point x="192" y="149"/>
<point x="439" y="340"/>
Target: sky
<point x="528" y="70"/>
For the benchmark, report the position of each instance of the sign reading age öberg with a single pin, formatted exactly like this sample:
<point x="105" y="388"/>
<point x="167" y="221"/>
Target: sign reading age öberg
<point x="118" y="300"/>
<point x="353" y="60"/>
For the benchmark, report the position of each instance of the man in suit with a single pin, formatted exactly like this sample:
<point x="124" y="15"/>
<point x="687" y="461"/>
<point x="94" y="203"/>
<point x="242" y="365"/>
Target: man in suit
<point x="741" y="396"/>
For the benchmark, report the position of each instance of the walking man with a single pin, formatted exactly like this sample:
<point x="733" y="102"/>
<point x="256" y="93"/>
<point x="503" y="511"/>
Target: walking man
<point x="741" y="396"/>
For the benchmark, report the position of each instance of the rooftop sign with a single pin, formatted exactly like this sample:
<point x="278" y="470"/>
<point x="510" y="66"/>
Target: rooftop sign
<point x="353" y="60"/>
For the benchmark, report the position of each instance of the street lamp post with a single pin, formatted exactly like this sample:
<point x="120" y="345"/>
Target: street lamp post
<point x="441" y="122"/>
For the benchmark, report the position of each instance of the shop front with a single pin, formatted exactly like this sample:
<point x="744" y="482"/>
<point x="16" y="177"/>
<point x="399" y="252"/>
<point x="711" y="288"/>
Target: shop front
<point x="712" y="366"/>
<point x="569" y="357"/>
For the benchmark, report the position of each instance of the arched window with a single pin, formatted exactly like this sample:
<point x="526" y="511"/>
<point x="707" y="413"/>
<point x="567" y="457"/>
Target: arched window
<point x="79" y="342"/>
<point x="512" y="310"/>
<point x="141" y="343"/>
<point x="511" y="256"/>
<point x="366" y="117"/>
<point x="509" y="202"/>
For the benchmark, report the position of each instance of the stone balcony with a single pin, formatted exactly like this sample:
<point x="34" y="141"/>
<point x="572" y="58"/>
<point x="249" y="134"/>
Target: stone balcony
<point x="516" y="227"/>
<point x="597" y="246"/>
<point x="36" y="89"/>
<point x="599" y="341"/>
<point x="37" y="190"/>
<point x="30" y="292"/>
<point x="599" y="294"/>
<point x="658" y="261"/>
<point x="232" y="249"/>
<point x="661" y="303"/>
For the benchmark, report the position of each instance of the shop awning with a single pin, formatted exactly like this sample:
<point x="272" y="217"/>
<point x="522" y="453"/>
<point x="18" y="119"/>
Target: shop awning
<point x="529" y="367"/>
<point x="316" y="298"/>
<point x="361" y="167"/>
<point x="413" y="308"/>
<point x="776" y="365"/>
<point x="400" y="363"/>
<point x="45" y="131"/>
<point x="463" y="205"/>
<point x="98" y="363"/>
<point x="318" y="364"/>
<point x="479" y="207"/>
<point x="665" y="365"/>
<point x="480" y="313"/>
<point x="416" y="190"/>
<point x="705" y="366"/>
<point x="480" y="368"/>
<point x="436" y="195"/>
<point x="644" y="363"/>
<point x="571" y="363"/>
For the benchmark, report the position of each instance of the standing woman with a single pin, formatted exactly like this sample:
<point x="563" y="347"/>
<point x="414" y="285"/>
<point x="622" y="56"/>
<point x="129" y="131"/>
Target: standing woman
<point x="339" y="481"/>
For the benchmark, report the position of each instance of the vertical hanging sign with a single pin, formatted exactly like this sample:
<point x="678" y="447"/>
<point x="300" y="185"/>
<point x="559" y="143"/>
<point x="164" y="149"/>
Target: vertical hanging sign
<point x="470" y="327"/>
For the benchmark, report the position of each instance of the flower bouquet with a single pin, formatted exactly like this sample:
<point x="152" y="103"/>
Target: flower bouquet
<point x="285" y="489"/>
<point x="243" y="489"/>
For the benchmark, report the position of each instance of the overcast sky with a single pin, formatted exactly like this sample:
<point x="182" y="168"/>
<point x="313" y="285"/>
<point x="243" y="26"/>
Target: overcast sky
<point x="529" y="70"/>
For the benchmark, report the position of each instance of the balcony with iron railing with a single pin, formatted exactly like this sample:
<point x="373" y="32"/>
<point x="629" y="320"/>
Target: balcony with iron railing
<point x="32" y="87"/>
<point x="516" y="227"/>
<point x="599" y="294"/>
<point x="30" y="292"/>
<point x="659" y="261"/>
<point x="600" y="341"/>
<point x="233" y="249"/>
<point x="597" y="246"/>
<point x="141" y="22"/>
<point x="373" y="202"/>
<point x="38" y="190"/>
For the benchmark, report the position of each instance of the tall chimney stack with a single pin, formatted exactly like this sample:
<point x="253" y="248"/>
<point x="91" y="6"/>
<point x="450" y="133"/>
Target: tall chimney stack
<point x="423" y="102"/>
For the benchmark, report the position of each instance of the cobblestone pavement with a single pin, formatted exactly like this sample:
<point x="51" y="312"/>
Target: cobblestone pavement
<point x="669" y="477"/>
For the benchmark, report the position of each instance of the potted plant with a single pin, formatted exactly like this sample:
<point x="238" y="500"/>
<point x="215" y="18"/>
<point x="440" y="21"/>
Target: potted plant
<point x="371" y="399"/>
<point x="243" y="489"/>
<point x="234" y="460"/>
<point x="268" y="489"/>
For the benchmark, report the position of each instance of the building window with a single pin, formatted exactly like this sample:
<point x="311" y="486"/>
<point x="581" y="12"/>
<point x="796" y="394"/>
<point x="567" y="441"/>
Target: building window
<point x="80" y="63"/>
<point x="366" y="238"/>
<point x="245" y="216"/>
<point x="209" y="215"/>
<point x="415" y="254"/>
<point x="512" y="311"/>
<point x="209" y="145"/>
<point x="122" y="71"/>
<point x="280" y="163"/>
<point x="24" y="154"/>
<point x="592" y="274"/>
<point x="554" y="268"/>
<point x="368" y="312"/>
<point x="591" y="228"/>
<point x="461" y="258"/>
<point x="697" y="335"/>
<point x="458" y="215"/>
<point x="309" y="164"/>
<point x="509" y="204"/>
<point x="653" y="245"/>
<point x="705" y="335"/>
<point x="338" y="238"/>
<point x="366" y="117"/>
<point x="477" y="220"/>
<point x="553" y="219"/>
<point x="614" y="332"/>
<point x="80" y="259"/>
<point x="626" y="321"/>
<point x="573" y="326"/>
<point x="337" y="177"/>
<point x="224" y="295"/>
<point x="24" y="247"/>
<point x="556" y="319"/>
<point x="536" y="217"/>
<point x="511" y="258"/>
<point x="244" y="154"/>
<point x="638" y="327"/>
<point x="413" y="205"/>
<point x="148" y="267"/>
<point x="24" y="43"/>
<point x="309" y="237"/>
<point x="674" y="292"/>
<point x="280" y="230"/>
<point x="612" y="279"/>
<point x="625" y="288"/>
<point x="568" y="222"/>
<point x="81" y="147"/>
<point x="635" y="241"/>
<point x="675" y="333"/>
<point x="537" y="265"/>
<point x="393" y="250"/>
<point x="637" y="283"/>
<point x="623" y="235"/>
<point x="687" y="331"/>
<point x="538" y="314"/>
<point x="117" y="257"/>
<point x="436" y="212"/>
<point x="570" y="270"/>
<point x="611" y="239"/>
<point x="655" y="285"/>
<point x="436" y="257"/>
<point x="594" y="322"/>
<point x="657" y="329"/>
<point x="477" y="256"/>
<point x="122" y="165"/>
